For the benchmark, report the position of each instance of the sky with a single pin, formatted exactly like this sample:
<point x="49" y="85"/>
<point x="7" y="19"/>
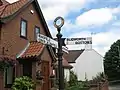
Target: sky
<point x="97" y="18"/>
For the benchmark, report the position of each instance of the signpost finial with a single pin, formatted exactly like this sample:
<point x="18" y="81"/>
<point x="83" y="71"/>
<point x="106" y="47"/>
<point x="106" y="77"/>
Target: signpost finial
<point x="58" y="22"/>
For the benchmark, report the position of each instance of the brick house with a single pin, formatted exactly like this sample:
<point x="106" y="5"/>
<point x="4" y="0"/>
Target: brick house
<point x="20" y="22"/>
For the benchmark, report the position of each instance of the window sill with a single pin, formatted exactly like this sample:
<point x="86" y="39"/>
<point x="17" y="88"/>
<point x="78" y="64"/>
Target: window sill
<point x="23" y="37"/>
<point x="8" y="85"/>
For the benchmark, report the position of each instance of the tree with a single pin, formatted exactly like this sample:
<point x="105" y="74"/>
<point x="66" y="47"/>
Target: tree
<point x="112" y="61"/>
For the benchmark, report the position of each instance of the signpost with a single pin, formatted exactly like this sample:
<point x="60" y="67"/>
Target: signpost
<point x="59" y="53"/>
<point x="58" y="45"/>
<point x="68" y="41"/>
<point x="48" y="41"/>
<point x="78" y="41"/>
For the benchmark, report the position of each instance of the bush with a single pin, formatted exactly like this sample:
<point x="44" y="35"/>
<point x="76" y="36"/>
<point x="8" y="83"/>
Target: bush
<point x="23" y="83"/>
<point x="74" y="84"/>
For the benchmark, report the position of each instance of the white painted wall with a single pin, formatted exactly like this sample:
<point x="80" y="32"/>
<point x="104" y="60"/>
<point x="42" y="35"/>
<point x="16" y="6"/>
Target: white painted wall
<point x="67" y="74"/>
<point x="89" y="63"/>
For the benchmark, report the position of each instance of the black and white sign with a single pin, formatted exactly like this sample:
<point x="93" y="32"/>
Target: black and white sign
<point x="78" y="41"/>
<point x="68" y="41"/>
<point x="48" y="41"/>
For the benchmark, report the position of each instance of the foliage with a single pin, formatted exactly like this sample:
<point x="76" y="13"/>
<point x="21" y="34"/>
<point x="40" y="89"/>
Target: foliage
<point x="100" y="77"/>
<point x="23" y="83"/>
<point x="4" y="64"/>
<point x="73" y="79"/>
<point x="112" y="61"/>
<point x="66" y="84"/>
<point x="74" y="84"/>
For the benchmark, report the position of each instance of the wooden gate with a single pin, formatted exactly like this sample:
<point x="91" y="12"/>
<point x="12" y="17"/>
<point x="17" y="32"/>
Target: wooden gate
<point x="45" y="72"/>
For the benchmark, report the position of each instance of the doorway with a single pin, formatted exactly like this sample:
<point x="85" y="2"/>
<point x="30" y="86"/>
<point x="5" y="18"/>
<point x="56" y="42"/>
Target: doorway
<point x="45" y="73"/>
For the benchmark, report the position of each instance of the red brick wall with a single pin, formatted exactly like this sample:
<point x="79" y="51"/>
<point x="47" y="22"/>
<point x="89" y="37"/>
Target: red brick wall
<point x="10" y="35"/>
<point x="14" y="44"/>
<point x="103" y="86"/>
<point x="1" y="81"/>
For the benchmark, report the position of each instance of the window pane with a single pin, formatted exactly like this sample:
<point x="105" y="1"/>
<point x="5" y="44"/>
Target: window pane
<point x="9" y="75"/>
<point x="27" y="69"/>
<point x="37" y="31"/>
<point x="23" y="28"/>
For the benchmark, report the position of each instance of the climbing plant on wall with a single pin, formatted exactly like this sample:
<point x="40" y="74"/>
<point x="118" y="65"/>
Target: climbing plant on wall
<point x="5" y="63"/>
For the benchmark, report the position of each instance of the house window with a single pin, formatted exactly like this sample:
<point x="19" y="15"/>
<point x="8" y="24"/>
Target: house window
<point x="8" y="76"/>
<point x="23" y="28"/>
<point x="37" y="31"/>
<point x="27" y="69"/>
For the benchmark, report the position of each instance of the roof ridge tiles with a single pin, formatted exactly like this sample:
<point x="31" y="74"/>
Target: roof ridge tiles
<point x="11" y="8"/>
<point x="2" y="11"/>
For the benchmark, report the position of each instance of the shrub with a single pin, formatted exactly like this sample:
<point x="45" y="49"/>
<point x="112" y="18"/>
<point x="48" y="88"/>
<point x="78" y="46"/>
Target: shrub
<point x="23" y="83"/>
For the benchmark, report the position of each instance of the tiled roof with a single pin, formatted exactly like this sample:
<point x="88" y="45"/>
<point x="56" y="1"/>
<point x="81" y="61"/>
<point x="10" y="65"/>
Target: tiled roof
<point x="6" y="57"/>
<point x="5" y="3"/>
<point x="65" y="63"/>
<point x="34" y="49"/>
<point x="73" y="55"/>
<point x="8" y="9"/>
<point x="11" y="9"/>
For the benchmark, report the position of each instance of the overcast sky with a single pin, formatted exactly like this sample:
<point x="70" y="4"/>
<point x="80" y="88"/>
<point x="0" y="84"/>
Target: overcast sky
<point x="83" y="17"/>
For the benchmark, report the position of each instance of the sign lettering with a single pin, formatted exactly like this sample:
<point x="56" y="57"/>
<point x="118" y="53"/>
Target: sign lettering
<point x="77" y="41"/>
<point x="48" y="41"/>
